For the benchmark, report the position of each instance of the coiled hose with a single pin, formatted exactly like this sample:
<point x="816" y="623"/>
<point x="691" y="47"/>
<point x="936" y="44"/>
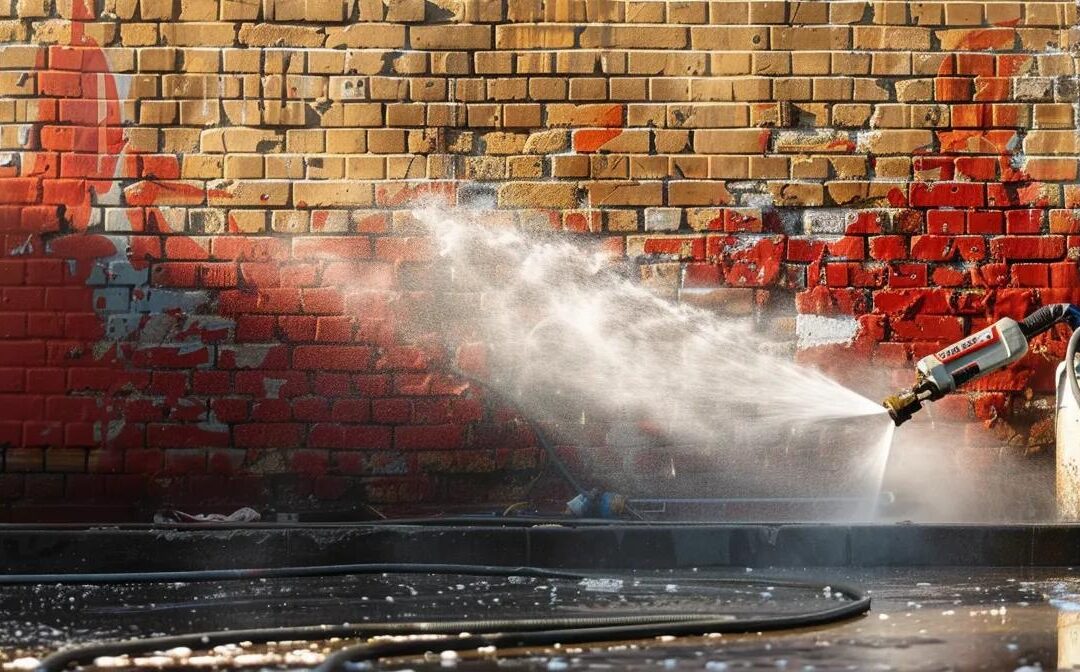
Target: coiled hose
<point x="498" y="633"/>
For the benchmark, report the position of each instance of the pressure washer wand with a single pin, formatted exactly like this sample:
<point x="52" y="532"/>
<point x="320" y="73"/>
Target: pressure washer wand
<point x="970" y="358"/>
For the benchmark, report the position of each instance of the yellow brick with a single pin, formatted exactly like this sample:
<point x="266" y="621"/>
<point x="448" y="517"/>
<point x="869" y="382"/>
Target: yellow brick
<point x="634" y="37"/>
<point x="1050" y="142"/>
<point x="243" y="166"/>
<point x="201" y="167"/>
<point x="365" y="168"/>
<point x="538" y="194"/>
<point x="15" y="83"/>
<point x="847" y="11"/>
<point x="450" y="37"/>
<point x="289" y="221"/>
<point x="687" y="11"/>
<point x="534" y="36"/>
<point x="609" y="194"/>
<point x="197" y="34"/>
<point x="695" y="192"/>
<point x="246" y="221"/>
<point x="1059" y="115"/>
<point x="158" y="112"/>
<point x="797" y="194"/>
<point x="265" y="193"/>
<point x="895" y="142"/>
<point x="749" y="141"/>
<point x="405" y="10"/>
<point x="284" y="166"/>
<point x="198" y="10"/>
<point x="272" y="35"/>
<point x="729" y="38"/>
<point x="138" y="34"/>
<point x="32" y="9"/>
<point x="406" y="168"/>
<point x="324" y="10"/>
<point x="329" y="194"/>
<point x="891" y="37"/>
<point x="569" y="166"/>
<point x="386" y="140"/>
<point x="240" y="10"/>
<point x="150" y="10"/>
<point x="810" y="37"/>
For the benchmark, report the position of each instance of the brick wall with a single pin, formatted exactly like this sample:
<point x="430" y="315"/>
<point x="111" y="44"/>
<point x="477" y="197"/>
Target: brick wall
<point x="186" y="186"/>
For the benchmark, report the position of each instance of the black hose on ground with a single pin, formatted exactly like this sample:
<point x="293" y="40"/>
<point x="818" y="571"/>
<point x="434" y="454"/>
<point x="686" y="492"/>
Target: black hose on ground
<point x="498" y="633"/>
<point x="283" y="573"/>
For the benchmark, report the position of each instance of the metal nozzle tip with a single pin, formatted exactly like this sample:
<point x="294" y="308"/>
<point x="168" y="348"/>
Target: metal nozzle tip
<point x="902" y="406"/>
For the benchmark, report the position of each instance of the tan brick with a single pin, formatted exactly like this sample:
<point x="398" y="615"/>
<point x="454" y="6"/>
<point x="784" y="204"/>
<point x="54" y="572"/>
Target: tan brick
<point x="569" y="166"/>
<point x="240" y="10"/>
<point x="247" y="221"/>
<point x="601" y="115"/>
<point x="365" y="168"/>
<point x="535" y="36"/>
<point x="634" y="37"/>
<point x="244" y="166"/>
<point x="236" y="193"/>
<point x="894" y="142"/>
<point x="695" y="192"/>
<point x="891" y="37"/>
<point x="450" y="37"/>
<point x="275" y="35"/>
<point x="729" y="38"/>
<point x="1051" y="142"/>
<point x="613" y="194"/>
<point x="810" y="37"/>
<point x="538" y="194"/>
<point x="521" y="116"/>
<point x="748" y="141"/>
<point x="848" y="11"/>
<point x="198" y="10"/>
<point x="687" y="11"/>
<point x="609" y="166"/>
<point x="197" y="34"/>
<point x="1057" y="115"/>
<point x="290" y="221"/>
<point x="769" y="167"/>
<point x="330" y="194"/>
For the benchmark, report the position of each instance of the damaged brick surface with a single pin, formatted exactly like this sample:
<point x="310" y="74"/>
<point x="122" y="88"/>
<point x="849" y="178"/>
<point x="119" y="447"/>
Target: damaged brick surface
<point x="206" y="230"/>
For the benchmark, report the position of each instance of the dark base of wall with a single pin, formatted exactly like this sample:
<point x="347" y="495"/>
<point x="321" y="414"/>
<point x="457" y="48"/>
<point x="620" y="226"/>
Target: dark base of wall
<point x="26" y="549"/>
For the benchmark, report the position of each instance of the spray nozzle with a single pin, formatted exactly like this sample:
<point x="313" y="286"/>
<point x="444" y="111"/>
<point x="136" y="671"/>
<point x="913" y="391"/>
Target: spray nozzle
<point x="904" y="405"/>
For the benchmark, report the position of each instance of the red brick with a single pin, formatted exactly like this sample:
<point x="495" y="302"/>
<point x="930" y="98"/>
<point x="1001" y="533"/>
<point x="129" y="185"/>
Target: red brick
<point x="395" y="248"/>
<point x="1064" y="274"/>
<point x="952" y="88"/>
<point x="976" y="168"/>
<point x="1029" y="275"/>
<point x="975" y="64"/>
<point x="57" y="83"/>
<point x="945" y="222"/>
<point x="1027" y="247"/>
<point x="329" y="248"/>
<point x="1023" y="221"/>
<point x="985" y="222"/>
<point x="16" y="190"/>
<point x="888" y="248"/>
<point x="268" y="435"/>
<point x="332" y="357"/>
<point x="908" y="275"/>
<point x="249" y="248"/>
<point x="955" y="194"/>
<point x="429" y="437"/>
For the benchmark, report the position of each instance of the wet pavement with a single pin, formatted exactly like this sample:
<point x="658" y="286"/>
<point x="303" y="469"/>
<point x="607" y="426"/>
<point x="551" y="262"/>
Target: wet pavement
<point x="922" y="619"/>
